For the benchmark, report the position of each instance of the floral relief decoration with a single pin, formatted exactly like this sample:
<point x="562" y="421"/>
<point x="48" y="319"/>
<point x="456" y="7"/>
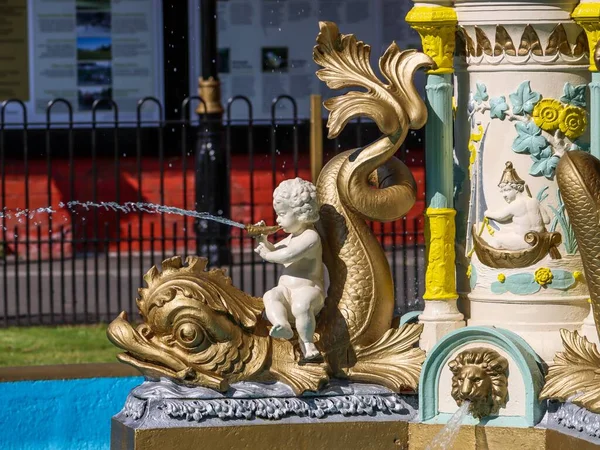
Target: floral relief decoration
<point x="546" y="127"/>
<point x="531" y="283"/>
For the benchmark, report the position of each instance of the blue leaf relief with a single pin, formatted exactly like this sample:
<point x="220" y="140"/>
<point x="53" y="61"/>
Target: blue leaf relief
<point x="562" y="280"/>
<point x="544" y="164"/>
<point x="529" y="139"/>
<point x="524" y="100"/>
<point x="481" y="94"/>
<point x="473" y="279"/>
<point x="498" y="288"/>
<point x="521" y="284"/>
<point x="574" y="95"/>
<point x="498" y="107"/>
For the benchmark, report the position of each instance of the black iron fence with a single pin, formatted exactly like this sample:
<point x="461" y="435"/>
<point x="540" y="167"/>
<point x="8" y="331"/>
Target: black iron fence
<point x="79" y="204"/>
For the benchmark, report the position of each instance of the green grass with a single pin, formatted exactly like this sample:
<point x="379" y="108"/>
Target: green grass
<point x="28" y="346"/>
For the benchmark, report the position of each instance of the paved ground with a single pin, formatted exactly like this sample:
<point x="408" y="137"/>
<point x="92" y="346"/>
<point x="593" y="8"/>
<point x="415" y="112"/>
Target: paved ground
<point x="98" y="289"/>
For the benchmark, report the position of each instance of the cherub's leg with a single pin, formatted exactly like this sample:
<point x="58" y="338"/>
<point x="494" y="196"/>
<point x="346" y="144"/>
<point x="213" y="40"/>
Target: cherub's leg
<point x="277" y="313"/>
<point x="306" y="303"/>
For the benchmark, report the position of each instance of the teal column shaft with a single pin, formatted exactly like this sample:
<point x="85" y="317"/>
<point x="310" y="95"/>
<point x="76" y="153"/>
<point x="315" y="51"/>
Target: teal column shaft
<point x="438" y="142"/>
<point x="595" y="114"/>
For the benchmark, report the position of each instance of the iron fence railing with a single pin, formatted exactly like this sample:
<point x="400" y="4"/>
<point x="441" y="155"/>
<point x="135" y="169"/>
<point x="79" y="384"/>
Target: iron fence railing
<point x="84" y="264"/>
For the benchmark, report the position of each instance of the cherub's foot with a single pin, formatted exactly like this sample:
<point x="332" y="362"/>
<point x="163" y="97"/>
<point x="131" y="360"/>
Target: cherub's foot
<point x="311" y="353"/>
<point x="281" y="331"/>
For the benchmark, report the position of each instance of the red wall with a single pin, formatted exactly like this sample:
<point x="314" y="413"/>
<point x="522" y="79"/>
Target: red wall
<point x="174" y="183"/>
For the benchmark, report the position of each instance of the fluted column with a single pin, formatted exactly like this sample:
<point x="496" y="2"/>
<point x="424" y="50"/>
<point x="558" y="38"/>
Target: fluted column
<point x="436" y="25"/>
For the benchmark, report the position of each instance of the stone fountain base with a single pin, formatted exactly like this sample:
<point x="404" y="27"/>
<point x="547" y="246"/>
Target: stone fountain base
<point x="161" y="415"/>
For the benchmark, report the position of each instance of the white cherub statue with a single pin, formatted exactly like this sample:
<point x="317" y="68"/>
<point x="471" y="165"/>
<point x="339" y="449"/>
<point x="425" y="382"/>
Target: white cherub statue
<point x="522" y="214"/>
<point x="299" y="296"/>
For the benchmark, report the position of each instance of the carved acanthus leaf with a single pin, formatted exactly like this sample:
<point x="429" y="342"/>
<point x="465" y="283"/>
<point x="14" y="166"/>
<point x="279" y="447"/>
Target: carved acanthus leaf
<point x="504" y="43"/>
<point x="575" y="374"/>
<point x="530" y="42"/>
<point x="391" y="361"/>
<point x="483" y="43"/>
<point x="558" y="42"/>
<point x="346" y="63"/>
<point x="581" y="45"/>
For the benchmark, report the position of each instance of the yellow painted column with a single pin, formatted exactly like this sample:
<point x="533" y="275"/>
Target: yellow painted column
<point x="440" y="281"/>
<point x="436" y="26"/>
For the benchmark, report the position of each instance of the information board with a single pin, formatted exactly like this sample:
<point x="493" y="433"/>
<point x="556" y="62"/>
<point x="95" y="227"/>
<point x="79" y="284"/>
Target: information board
<point x="265" y="46"/>
<point x="82" y="51"/>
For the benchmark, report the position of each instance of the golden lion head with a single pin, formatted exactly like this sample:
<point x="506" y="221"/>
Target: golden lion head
<point x="480" y="376"/>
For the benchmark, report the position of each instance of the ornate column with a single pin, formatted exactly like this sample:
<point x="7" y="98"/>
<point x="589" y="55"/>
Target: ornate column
<point x="525" y="64"/>
<point x="436" y="24"/>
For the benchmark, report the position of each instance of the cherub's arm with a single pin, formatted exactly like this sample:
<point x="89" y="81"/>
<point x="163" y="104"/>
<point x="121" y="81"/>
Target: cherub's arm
<point x="501" y="215"/>
<point x="294" y="251"/>
<point x="262" y="239"/>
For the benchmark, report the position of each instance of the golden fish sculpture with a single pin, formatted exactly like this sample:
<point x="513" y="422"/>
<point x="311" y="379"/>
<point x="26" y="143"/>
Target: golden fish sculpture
<point x="199" y="329"/>
<point x="575" y="374"/>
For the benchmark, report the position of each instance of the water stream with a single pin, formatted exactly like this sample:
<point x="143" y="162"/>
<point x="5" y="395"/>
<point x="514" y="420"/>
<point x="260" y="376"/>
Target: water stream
<point x="445" y="438"/>
<point x="127" y="207"/>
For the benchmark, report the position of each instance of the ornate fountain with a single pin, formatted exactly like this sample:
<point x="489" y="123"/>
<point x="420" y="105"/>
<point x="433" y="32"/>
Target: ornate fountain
<point x="512" y="259"/>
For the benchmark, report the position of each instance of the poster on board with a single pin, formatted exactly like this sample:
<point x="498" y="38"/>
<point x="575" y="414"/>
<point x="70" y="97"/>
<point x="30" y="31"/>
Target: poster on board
<point x="82" y="51"/>
<point x="265" y="47"/>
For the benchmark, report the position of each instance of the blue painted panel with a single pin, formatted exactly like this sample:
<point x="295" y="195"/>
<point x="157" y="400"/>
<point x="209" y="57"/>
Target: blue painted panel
<point x="61" y="414"/>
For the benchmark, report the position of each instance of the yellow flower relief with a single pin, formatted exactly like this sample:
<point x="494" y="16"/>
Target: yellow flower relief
<point x="577" y="274"/>
<point x="573" y="121"/>
<point x="501" y="277"/>
<point x="546" y="114"/>
<point x="469" y="271"/>
<point x="543" y="276"/>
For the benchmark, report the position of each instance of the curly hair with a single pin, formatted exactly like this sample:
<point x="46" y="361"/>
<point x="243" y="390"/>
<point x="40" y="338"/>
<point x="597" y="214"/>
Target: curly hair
<point x="301" y="196"/>
<point x="519" y="187"/>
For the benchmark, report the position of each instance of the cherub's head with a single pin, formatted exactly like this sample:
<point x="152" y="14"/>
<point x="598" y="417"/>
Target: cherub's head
<point x="511" y="184"/>
<point x="511" y="190"/>
<point x="295" y="202"/>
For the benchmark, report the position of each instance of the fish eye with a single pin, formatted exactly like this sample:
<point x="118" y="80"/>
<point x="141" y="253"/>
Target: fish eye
<point x="191" y="336"/>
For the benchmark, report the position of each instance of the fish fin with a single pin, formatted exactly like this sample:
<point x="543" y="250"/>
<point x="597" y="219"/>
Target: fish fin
<point x="392" y="361"/>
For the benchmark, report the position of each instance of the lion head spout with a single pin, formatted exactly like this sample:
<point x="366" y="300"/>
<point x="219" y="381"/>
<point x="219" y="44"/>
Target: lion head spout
<point x="480" y="376"/>
<point x="198" y="329"/>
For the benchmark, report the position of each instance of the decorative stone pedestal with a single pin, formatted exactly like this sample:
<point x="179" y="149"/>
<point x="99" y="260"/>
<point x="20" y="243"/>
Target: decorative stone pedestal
<point x="163" y="415"/>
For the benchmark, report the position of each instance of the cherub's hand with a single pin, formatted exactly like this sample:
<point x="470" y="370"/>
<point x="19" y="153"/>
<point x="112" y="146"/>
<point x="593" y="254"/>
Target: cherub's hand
<point x="261" y="238"/>
<point x="262" y="250"/>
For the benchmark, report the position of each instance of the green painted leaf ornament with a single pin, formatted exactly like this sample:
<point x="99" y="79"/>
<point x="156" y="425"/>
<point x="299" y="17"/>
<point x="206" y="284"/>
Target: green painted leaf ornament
<point x="574" y="95"/>
<point x="481" y="94"/>
<point x="529" y="139"/>
<point x="524" y="100"/>
<point x="498" y="107"/>
<point x="521" y="284"/>
<point x="544" y="164"/>
<point x="561" y="280"/>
